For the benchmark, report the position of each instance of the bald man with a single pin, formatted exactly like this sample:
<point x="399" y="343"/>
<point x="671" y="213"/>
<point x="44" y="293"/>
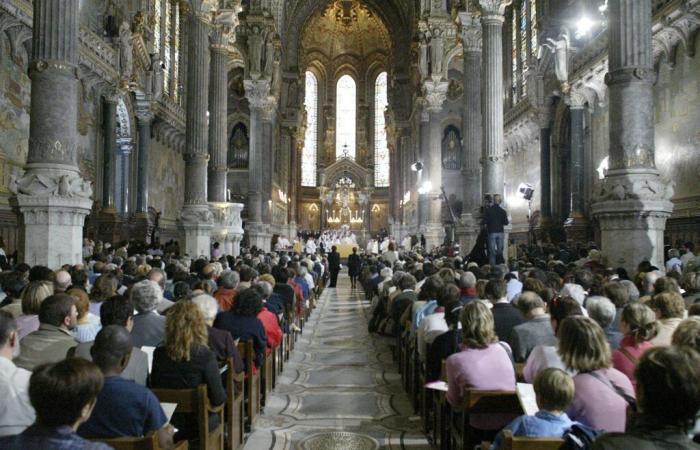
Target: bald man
<point x="63" y="282"/>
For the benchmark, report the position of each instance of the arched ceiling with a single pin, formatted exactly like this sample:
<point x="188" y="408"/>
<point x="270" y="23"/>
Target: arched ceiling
<point x="395" y="15"/>
<point x="345" y="28"/>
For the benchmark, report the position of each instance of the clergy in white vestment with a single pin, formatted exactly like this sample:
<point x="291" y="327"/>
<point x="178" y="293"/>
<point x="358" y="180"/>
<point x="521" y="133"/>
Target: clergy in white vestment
<point x="310" y="247"/>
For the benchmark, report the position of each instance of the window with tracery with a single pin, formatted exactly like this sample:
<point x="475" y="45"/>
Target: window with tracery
<point x="381" y="149"/>
<point x="345" y="117"/>
<point x="452" y="149"/>
<point x="524" y="42"/>
<point x="308" y="154"/>
<point x="514" y="57"/>
<point x="534" y="26"/>
<point x="168" y="42"/>
<point x="524" y="48"/>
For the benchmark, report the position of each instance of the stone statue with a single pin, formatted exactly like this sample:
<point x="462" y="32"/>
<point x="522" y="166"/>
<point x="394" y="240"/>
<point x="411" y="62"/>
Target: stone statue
<point x="560" y="49"/>
<point x="424" y="65"/>
<point x="255" y="48"/>
<point x="437" y="51"/>
<point x="156" y="77"/>
<point x="126" y="54"/>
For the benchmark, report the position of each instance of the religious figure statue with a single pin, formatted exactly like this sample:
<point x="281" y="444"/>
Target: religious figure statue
<point x="560" y="49"/>
<point x="437" y="45"/>
<point x="156" y="77"/>
<point x="126" y="55"/>
<point x="424" y="65"/>
<point x="255" y="50"/>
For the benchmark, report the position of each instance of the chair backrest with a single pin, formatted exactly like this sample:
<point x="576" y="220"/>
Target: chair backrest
<point x="491" y="402"/>
<point x="247" y="351"/>
<point x="149" y="442"/>
<point x="527" y="443"/>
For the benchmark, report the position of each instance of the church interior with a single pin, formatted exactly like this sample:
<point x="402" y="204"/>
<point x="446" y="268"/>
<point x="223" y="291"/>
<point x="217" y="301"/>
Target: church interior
<point x="222" y="140"/>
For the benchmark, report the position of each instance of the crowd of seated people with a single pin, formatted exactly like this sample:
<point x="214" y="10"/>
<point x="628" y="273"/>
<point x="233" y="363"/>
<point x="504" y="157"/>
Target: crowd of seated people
<point x="593" y="339"/>
<point x="82" y="346"/>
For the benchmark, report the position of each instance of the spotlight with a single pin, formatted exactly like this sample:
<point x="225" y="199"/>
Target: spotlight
<point x="417" y="166"/>
<point x="425" y="188"/>
<point x="583" y="26"/>
<point x="526" y="191"/>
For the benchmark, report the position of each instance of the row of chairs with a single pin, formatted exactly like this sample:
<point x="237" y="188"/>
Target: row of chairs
<point x="247" y="393"/>
<point x="450" y="428"/>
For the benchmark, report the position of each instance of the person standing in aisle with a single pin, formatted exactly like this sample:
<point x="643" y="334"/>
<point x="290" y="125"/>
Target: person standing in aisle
<point x="495" y="218"/>
<point x="334" y="265"/>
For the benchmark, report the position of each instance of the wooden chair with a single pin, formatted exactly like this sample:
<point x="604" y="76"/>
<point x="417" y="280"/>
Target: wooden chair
<point x="266" y="377"/>
<point x="235" y="408"/>
<point x="196" y="402"/>
<point x="527" y="443"/>
<point x="252" y="382"/>
<point x="483" y="403"/>
<point x="441" y="421"/>
<point x="149" y="442"/>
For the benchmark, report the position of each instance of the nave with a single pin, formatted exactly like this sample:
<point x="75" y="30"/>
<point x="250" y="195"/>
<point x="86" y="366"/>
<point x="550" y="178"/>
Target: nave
<point x="340" y="388"/>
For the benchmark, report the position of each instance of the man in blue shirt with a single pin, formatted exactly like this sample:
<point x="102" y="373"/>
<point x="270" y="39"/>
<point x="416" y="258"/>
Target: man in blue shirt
<point x="123" y="407"/>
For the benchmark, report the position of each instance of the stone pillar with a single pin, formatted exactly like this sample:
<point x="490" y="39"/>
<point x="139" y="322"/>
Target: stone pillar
<point x="141" y="225"/>
<point x="268" y="125"/>
<point x="196" y="219"/>
<point x="218" y="109"/>
<point x="633" y="203"/>
<point x="296" y="144"/>
<point x="424" y="140"/>
<point x="576" y="224"/>
<point x="492" y="19"/>
<point x="468" y="227"/>
<point x="109" y="114"/>
<point x="436" y="93"/>
<point x="51" y="195"/>
<point x="257" y="92"/>
<point x="545" y="175"/>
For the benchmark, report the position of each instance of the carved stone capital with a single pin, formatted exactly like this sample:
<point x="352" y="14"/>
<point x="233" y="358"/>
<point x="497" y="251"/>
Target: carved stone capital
<point x="257" y="92"/>
<point x="471" y="32"/>
<point x="435" y="94"/>
<point x="642" y="185"/>
<point x="576" y="99"/>
<point x="493" y="9"/>
<point x="203" y="8"/>
<point x="50" y="183"/>
<point x="630" y="75"/>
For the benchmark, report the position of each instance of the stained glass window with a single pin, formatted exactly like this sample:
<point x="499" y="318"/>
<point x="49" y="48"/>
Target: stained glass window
<point x="345" y="117"/>
<point x="308" y="155"/>
<point x="533" y="29"/>
<point x="166" y="46"/>
<point x="514" y="55"/>
<point x="524" y="53"/>
<point x="157" y="15"/>
<point x="176" y="51"/>
<point x="381" y="150"/>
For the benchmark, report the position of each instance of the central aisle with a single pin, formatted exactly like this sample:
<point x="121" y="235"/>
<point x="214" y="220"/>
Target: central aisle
<point x="340" y="389"/>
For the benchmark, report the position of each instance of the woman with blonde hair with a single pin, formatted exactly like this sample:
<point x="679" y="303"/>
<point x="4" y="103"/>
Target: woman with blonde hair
<point x="32" y="297"/>
<point x="639" y="327"/>
<point x="483" y="364"/>
<point x="602" y="393"/>
<point x="669" y="307"/>
<point x="185" y="362"/>
<point x="687" y="334"/>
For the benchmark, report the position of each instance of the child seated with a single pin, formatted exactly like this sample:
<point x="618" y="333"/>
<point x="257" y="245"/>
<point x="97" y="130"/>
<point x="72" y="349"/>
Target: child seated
<point x="554" y="390"/>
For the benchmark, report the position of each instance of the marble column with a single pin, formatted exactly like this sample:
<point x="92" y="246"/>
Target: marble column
<point x="109" y="114"/>
<point x="576" y="224"/>
<point x="258" y="93"/>
<point x="468" y="227"/>
<point x="141" y="225"/>
<point x="196" y="219"/>
<point x="218" y="109"/>
<point x="492" y="18"/>
<point x="435" y="94"/>
<point x="633" y="202"/>
<point x="51" y="195"/>
<point x="296" y="145"/>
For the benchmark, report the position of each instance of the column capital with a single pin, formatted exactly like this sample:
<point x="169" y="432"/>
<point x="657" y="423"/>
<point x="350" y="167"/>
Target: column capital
<point x="435" y="94"/>
<point x="257" y="92"/>
<point x="493" y="10"/>
<point x="576" y="99"/>
<point x="145" y="116"/>
<point x="202" y="9"/>
<point x="112" y="95"/>
<point x="471" y="32"/>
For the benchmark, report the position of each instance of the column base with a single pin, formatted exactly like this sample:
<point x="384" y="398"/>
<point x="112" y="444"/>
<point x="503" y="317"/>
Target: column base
<point x="434" y="235"/>
<point x="576" y="229"/>
<point x="467" y="230"/>
<point x="52" y="229"/>
<point x="141" y="227"/>
<point x="259" y="236"/>
<point x="227" y="226"/>
<point x="108" y="224"/>
<point x="196" y="224"/>
<point x="631" y="207"/>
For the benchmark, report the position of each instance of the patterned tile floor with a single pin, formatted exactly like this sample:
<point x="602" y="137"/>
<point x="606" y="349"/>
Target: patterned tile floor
<point x="340" y="389"/>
